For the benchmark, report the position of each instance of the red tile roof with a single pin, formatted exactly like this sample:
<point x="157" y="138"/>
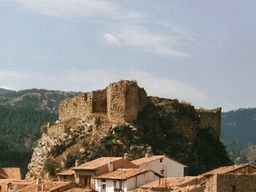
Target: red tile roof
<point x="10" y="173"/>
<point x="94" y="164"/>
<point x="144" y="160"/>
<point x="122" y="174"/>
<point x="227" y="169"/>
<point x="66" y="172"/>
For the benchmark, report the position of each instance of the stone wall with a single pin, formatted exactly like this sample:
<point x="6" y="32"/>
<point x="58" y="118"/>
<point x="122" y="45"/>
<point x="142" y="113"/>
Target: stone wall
<point x="76" y="107"/>
<point x="120" y="101"/>
<point x="231" y="182"/>
<point x="125" y="100"/>
<point x="99" y="101"/>
<point x="210" y="118"/>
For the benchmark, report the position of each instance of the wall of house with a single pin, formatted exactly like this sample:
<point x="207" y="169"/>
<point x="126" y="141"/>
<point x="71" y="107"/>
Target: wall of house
<point x="170" y="168"/>
<point x="231" y="182"/>
<point x="67" y="178"/>
<point x="127" y="184"/>
<point x="139" y="180"/>
<point x="81" y="173"/>
<point x="122" y="163"/>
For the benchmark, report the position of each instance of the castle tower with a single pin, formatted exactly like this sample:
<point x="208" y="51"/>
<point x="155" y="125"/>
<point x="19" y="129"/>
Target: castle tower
<point x="124" y="100"/>
<point x="211" y="118"/>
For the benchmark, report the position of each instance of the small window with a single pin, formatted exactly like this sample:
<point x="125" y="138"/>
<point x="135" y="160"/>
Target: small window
<point x="161" y="160"/>
<point x="162" y="171"/>
<point x="114" y="183"/>
<point x="233" y="188"/>
<point x="103" y="180"/>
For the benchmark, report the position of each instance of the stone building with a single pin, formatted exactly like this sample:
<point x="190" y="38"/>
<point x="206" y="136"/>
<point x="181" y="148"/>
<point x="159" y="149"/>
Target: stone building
<point x="120" y="101"/>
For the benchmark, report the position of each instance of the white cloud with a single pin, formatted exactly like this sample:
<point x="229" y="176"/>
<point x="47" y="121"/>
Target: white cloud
<point x="4" y="74"/>
<point x="111" y="39"/>
<point x="79" y="8"/>
<point x="146" y="40"/>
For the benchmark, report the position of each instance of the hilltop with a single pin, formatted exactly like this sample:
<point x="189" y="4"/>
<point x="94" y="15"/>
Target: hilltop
<point x="122" y="119"/>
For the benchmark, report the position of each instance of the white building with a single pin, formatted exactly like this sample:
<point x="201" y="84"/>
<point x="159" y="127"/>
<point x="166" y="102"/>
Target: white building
<point x="84" y="173"/>
<point x="161" y="165"/>
<point x="124" y="179"/>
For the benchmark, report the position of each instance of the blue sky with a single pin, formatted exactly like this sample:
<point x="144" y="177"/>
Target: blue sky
<point x="202" y="52"/>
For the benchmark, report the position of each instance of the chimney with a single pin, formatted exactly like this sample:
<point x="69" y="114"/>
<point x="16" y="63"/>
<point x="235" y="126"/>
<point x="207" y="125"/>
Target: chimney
<point x="126" y="156"/>
<point x="147" y="155"/>
<point x="76" y="163"/>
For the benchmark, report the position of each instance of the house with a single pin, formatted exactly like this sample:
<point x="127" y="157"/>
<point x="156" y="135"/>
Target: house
<point x="124" y="179"/>
<point x="7" y="176"/>
<point x="66" y="175"/>
<point x="229" y="178"/>
<point x="10" y="173"/>
<point x="85" y="172"/>
<point x="161" y="165"/>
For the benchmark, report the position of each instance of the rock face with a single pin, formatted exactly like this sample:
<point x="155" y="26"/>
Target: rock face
<point x="122" y="119"/>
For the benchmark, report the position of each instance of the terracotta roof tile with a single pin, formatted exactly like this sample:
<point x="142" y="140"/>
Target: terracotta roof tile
<point x="144" y="160"/>
<point x="94" y="164"/>
<point x="122" y="174"/>
<point x="10" y="173"/>
<point x="168" y="182"/>
<point x="227" y="169"/>
<point x="66" y="172"/>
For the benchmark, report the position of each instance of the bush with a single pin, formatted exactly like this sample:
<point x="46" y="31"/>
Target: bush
<point x="70" y="160"/>
<point x="121" y="128"/>
<point x="43" y="129"/>
<point x="49" y="167"/>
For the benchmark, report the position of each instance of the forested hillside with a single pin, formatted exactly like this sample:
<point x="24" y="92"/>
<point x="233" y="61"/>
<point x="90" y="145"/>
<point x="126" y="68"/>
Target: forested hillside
<point x="239" y="134"/>
<point x="20" y="128"/>
<point x="22" y="114"/>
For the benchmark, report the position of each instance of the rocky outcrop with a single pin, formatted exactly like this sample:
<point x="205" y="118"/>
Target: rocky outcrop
<point x="123" y="119"/>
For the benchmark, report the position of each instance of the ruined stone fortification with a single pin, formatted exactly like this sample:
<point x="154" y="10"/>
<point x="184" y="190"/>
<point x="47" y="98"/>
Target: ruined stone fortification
<point x="122" y="119"/>
<point x="211" y="118"/>
<point x="120" y="101"/>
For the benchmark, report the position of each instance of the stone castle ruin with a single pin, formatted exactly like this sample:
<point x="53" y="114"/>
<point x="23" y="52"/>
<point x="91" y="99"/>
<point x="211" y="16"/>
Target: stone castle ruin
<point x="119" y="102"/>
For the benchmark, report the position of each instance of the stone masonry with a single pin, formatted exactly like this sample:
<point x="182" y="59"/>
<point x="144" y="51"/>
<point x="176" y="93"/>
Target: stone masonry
<point x="120" y="101"/>
<point x="211" y="118"/>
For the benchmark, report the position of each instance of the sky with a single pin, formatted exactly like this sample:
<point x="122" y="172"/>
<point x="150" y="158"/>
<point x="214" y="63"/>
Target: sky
<point x="200" y="52"/>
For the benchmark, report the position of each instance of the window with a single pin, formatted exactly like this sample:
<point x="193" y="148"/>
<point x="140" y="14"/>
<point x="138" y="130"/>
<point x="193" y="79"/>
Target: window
<point x="114" y="183"/>
<point x="161" y="160"/>
<point x="103" y="188"/>
<point x="103" y="180"/>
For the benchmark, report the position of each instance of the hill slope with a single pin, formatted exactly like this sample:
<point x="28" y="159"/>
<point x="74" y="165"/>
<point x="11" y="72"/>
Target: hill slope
<point x="163" y="126"/>
<point x="22" y="114"/>
<point x="239" y="133"/>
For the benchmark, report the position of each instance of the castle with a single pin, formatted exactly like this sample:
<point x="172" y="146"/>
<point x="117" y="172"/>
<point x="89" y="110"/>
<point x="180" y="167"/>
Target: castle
<point x="120" y="102"/>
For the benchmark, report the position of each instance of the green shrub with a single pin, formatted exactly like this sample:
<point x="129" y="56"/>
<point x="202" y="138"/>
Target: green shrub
<point x="70" y="159"/>
<point x="49" y="167"/>
<point x="43" y="129"/>
<point x="121" y="128"/>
